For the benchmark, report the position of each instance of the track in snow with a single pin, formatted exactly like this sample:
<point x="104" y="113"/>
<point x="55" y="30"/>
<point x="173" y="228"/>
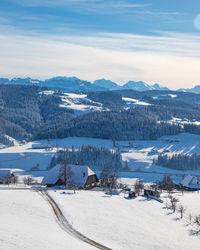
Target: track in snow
<point x="65" y="225"/>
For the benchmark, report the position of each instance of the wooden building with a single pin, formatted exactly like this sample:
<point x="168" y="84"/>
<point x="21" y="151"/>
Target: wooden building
<point x="131" y="194"/>
<point x="81" y="176"/>
<point x="149" y="192"/>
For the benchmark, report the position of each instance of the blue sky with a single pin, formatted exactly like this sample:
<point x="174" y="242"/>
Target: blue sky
<point x="150" y="40"/>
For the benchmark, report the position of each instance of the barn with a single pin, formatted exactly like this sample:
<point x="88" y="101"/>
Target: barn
<point x="190" y="182"/>
<point x="81" y="176"/>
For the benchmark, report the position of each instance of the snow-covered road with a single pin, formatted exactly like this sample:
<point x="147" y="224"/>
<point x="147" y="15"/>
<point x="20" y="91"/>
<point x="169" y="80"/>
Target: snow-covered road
<point x="65" y="225"/>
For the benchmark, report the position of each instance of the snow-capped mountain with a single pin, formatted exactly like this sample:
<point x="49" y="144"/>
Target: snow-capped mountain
<point x="70" y="84"/>
<point x="74" y="84"/>
<point x="25" y="81"/>
<point x="138" y="86"/>
<point x="107" y="84"/>
<point x="157" y="86"/>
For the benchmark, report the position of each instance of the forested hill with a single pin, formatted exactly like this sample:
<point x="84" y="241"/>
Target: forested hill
<point x="23" y="111"/>
<point x="32" y="112"/>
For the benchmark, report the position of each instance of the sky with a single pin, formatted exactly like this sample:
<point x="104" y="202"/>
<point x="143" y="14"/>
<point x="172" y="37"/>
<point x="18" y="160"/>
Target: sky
<point x="154" y="41"/>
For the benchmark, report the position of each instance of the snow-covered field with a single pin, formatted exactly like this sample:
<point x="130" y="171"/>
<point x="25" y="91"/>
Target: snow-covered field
<point x="121" y="223"/>
<point x="27" y="222"/>
<point x="130" y="102"/>
<point x="191" y="202"/>
<point x="139" y="158"/>
<point x="79" y="103"/>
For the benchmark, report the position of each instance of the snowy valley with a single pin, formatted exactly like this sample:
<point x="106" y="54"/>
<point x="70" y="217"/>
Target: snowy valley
<point x="132" y="135"/>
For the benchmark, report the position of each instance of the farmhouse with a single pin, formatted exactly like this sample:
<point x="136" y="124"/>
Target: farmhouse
<point x="131" y="194"/>
<point x="81" y="176"/>
<point x="4" y="173"/>
<point x="149" y="192"/>
<point x="190" y="182"/>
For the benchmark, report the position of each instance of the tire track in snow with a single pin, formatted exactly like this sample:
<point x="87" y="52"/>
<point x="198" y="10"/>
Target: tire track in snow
<point x="65" y="225"/>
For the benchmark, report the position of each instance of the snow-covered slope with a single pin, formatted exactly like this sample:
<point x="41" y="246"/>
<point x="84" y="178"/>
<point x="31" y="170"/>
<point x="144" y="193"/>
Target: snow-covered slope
<point x="120" y="223"/>
<point x="130" y="102"/>
<point x="27" y="222"/>
<point x="79" y="103"/>
<point x="139" y="86"/>
<point x="139" y="158"/>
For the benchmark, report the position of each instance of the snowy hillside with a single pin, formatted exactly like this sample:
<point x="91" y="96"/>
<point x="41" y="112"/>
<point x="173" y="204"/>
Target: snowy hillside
<point x="139" y="157"/>
<point x="130" y="102"/>
<point x="28" y="223"/>
<point x="81" y="103"/>
<point x="130" y="224"/>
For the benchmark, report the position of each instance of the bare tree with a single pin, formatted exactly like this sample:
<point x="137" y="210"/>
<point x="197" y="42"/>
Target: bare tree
<point x="15" y="179"/>
<point x="7" y="180"/>
<point x="66" y="173"/>
<point x="166" y="203"/>
<point x="182" y="189"/>
<point x="138" y="187"/>
<point x="28" y="180"/>
<point x="197" y="220"/>
<point x="113" y="182"/>
<point x="174" y="202"/>
<point x="190" y="218"/>
<point x="108" y="179"/>
<point x="166" y="184"/>
<point x="181" y="210"/>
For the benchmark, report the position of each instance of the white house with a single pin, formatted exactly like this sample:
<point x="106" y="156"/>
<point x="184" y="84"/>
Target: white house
<point x="82" y="176"/>
<point x="191" y="182"/>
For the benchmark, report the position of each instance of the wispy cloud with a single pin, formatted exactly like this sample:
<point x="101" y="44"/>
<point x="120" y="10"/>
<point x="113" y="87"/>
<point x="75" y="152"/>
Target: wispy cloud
<point x="97" y="3"/>
<point x="89" y="6"/>
<point x="172" y="59"/>
<point x="172" y="43"/>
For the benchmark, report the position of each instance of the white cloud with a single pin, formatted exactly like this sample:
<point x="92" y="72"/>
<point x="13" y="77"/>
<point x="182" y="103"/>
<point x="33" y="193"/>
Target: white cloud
<point x="172" y="59"/>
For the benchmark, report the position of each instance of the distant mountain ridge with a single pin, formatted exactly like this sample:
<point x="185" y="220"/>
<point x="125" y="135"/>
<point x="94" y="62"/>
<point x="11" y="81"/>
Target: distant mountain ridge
<point x="195" y="89"/>
<point x="74" y="84"/>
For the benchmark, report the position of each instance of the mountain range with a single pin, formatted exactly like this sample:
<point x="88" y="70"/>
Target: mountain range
<point x="74" y="84"/>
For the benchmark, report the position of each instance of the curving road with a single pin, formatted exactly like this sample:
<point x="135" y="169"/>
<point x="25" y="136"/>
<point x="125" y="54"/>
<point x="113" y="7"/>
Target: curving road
<point x="65" y="225"/>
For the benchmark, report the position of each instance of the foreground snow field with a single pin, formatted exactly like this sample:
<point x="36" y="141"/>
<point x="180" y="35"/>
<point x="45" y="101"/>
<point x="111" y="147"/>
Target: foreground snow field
<point x="27" y="222"/>
<point x="120" y="223"/>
